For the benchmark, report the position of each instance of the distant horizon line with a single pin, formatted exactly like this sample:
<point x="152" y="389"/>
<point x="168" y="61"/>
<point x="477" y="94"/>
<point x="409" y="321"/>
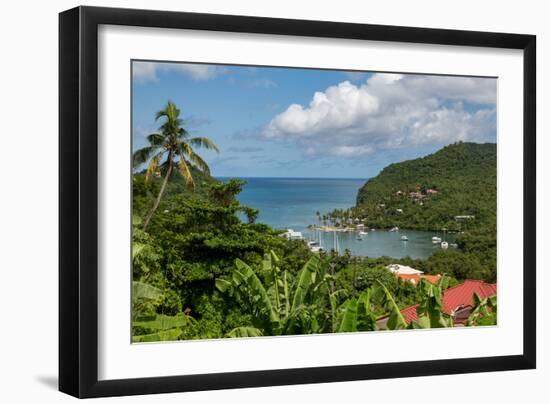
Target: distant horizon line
<point x="291" y="178"/>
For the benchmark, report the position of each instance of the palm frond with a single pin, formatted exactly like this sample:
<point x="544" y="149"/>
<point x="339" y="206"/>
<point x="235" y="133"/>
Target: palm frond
<point x="195" y="158"/>
<point x="204" y="142"/>
<point x="153" y="166"/>
<point x="142" y="155"/>
<point x="171" y="126"/>
<point x="155" y="139"/>
<point x="185" y="172"/>
<point x="170" y="111"/>
<point x="183" y="133"/>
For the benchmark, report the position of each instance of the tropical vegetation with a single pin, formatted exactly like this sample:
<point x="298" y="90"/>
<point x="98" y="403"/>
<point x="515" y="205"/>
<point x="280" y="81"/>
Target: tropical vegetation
<point x="171" y="143"/>
<point x="204" y="268"/>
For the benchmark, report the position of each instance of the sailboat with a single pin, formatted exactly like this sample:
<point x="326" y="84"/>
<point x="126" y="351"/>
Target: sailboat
<point x="315" y="244"/>
<point x="444" y="244"/>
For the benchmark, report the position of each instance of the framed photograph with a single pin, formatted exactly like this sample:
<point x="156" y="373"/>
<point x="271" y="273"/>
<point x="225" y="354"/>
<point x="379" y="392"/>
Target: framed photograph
<point x="251" y="202"/>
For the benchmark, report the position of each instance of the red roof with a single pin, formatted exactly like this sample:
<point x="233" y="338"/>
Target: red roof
<point x="457" y="296"/>
<point x="410" y="313"/>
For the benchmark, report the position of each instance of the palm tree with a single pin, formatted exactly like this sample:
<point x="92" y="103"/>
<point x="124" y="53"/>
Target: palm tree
<point x="172" y="146"/>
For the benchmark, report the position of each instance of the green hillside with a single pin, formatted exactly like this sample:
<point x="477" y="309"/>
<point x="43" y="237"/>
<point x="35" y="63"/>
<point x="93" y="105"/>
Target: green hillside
<point x="428" y="193"/>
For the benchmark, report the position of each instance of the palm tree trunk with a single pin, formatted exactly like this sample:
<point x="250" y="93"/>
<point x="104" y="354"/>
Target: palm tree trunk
<point x="159" y="196"/>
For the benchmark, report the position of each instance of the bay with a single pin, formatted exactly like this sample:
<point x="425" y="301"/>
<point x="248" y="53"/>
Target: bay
<point x="292" y="203"/>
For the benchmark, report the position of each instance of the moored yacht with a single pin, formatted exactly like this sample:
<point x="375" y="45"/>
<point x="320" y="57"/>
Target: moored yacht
<point x="314" y="246"/>
<point x="292" y="235"/>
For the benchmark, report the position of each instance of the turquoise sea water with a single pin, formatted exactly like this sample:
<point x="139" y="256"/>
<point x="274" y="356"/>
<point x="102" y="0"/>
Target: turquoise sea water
<point x="293" y="202"/>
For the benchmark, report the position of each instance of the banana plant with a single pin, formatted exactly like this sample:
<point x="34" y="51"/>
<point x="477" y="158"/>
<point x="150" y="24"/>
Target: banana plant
<point x="357" y="314"/>
<point x="155" y="327"/>
<point x="484" y="311"/>
<point x="144" y="299"/>
<point x="244" y="332"/>
<point x="396" y="320"/>
<point x="430" y="310"/>
<point x="279" y="306"/>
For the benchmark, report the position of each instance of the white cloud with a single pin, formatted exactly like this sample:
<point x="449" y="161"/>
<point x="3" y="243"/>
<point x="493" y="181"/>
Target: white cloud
<point x="262" y="83"/>
<point x="148" y="71"/>
<point x="389" y="111"/>
<point x="246" y="149"/>
<point x="384" y="78"/>
<point x="339" y="107"/>
<point x="352" y="151"/>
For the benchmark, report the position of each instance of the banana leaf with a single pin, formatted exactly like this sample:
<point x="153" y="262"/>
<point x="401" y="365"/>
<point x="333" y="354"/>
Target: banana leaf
<point x="222" y="285"/>
<point x="484" y="311"/>
<point x="366" y="320"/>
<point x="431" y="306"/>
<point x="143" y="291"/>
<point x="164" y="322"/>
<point x="244" y="332"/>
<point x="306" y="278"/>
<point x="168" y="335"/>
<point x="137" y="248"/>
<point x="349" y="319"/>
<point x="421" y="322"/>
<point x="258" y="295"/>
<point x="396" y="321"/>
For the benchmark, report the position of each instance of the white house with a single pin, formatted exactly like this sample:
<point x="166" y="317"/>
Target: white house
<point x="293" y="235"/>
<point x="403" y="270"/>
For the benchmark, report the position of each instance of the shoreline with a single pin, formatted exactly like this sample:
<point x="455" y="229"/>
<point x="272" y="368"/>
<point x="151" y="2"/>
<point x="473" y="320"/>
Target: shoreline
<point x="355" y="229"/>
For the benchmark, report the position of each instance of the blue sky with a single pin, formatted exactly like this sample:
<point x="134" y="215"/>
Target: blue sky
<point x="286" y="122"/>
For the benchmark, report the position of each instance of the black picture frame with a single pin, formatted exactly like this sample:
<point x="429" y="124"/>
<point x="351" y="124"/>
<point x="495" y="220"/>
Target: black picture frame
<point x="78" y="200"/>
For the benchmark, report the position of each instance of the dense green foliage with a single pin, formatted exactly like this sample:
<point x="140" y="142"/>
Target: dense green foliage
<point x="203" y="268"/>
<point x="195" y="238"/>
<point x="463" y="175"/>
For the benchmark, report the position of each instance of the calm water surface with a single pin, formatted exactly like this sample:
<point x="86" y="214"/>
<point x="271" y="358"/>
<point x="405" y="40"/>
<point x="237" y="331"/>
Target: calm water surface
<point x="293" y="202"/>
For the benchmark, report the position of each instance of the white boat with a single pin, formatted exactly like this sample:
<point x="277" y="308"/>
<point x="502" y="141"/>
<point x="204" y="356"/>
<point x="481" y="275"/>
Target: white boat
<point x="444" y="245"/>
<point x="404" y="238"/>
<point x="314" y="246"/>
<point x="363" y="233"/>
<point x="394" y="228"/>
<point x="336" y="245"/>
<point x="436" y="240"/>
<point x="293" y="235"/>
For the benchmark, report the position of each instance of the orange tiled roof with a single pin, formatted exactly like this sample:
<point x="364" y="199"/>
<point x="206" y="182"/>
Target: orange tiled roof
<point x="415" y="278"/>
